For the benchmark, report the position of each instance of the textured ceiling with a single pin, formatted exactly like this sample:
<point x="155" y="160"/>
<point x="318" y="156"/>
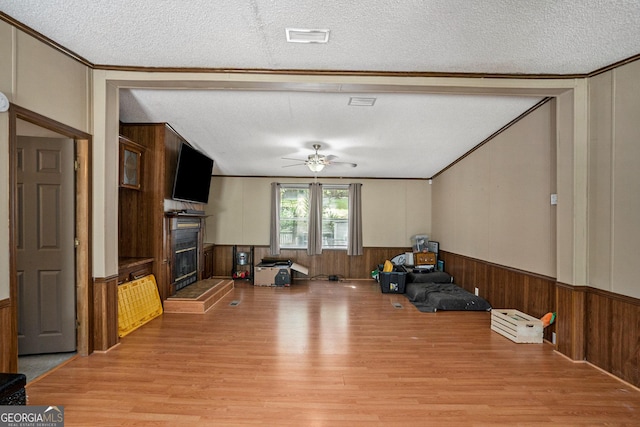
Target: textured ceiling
<point x="489" y="36"/>
<point x="254" y="130"/>
<point x="247" y="132"/>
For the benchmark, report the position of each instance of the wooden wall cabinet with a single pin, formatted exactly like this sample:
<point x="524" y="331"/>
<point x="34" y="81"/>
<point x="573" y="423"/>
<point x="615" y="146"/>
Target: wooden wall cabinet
<point x="133" y="268"/>
<point x="130" y="164"/>
<point x="143" y="231"/>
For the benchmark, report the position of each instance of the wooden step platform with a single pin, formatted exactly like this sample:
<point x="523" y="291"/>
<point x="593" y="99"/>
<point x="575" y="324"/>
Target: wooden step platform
<point x="198" y="297"/>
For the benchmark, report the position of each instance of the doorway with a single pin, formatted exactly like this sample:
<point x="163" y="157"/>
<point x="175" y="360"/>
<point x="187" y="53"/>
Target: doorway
<point x="45" y="234"/>
<point x="50" y="243"/>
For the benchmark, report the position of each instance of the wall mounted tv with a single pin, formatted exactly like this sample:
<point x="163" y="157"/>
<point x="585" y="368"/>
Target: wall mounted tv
<point x="193" y="175"/>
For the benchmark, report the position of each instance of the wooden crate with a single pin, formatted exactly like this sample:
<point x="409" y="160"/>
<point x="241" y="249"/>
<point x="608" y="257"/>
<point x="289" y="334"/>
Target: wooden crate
<point x="516" y="326"/>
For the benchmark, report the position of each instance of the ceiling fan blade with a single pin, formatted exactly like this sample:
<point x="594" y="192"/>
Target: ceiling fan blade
<point x="318" y="159"/>
<point x="353" y="165"/>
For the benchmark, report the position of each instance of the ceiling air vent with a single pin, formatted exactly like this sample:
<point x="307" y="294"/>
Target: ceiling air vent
<point x="298" y="35"/>
<point x="357" y="101"/>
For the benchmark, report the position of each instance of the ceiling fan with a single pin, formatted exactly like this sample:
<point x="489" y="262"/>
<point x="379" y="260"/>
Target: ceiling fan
<point x="316" y="162"/>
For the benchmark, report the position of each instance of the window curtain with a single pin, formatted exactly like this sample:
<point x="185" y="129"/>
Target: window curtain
<point x="314" y="244"/>
<point x="354" y="246"/>
<point x="274" y="239"/>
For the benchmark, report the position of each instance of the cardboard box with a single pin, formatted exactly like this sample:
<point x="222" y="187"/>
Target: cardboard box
<point x="425" y="258"/>
<point x="276" y="275"/>
<point x="266" y="276"/>
<point x="516" y="326"/>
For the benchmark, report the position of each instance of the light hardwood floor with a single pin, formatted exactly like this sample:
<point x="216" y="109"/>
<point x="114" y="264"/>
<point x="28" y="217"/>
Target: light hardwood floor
<point x="330" y="354"/>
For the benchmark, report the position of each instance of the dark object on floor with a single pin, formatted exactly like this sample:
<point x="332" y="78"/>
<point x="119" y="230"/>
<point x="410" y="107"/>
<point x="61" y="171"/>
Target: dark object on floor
<point x="283" y="277"/>
<point x="392" y="282"/>
<point x="273" y="262"/>
<point x="430" y="292"/>
<point x="429" y="277"/>
<point x="12" y="389"/>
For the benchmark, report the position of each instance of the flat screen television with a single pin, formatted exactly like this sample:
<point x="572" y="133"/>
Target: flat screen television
<point x="193" y="175"/>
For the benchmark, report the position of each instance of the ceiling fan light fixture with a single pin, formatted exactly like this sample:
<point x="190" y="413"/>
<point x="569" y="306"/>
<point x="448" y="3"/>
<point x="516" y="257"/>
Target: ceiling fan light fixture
<point x="300" y="35"/>
<point x="315" y="167"/>
<point x="4" y="103"/>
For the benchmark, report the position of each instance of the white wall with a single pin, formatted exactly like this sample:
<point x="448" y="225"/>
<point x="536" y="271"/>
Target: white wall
<point x="105" y="154"/>
<point x="494" y="204"/>
<point x="614" y="180"/>
<point x="4" y="206"/>
<point x="41" y="79"/>
<point x="393" y="210"/>
<point x="6" y="86"/>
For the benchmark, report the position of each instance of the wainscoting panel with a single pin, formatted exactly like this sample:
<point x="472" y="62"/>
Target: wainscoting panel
<point x="330" y="262"/>
<point x="504" y="287"/>
<point x="539" y="294"/>
<point x="613" y="334"/>
<point x="9" y="353"/>
<point x="571" y="304"/>
<point x="625" y="349"/>
<point x="598" y="340"/>
<point x="105" y="310"/>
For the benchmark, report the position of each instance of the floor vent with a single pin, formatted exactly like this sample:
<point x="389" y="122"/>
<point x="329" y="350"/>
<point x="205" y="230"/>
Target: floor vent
<point x="234" y="303"/>
<point x="397" y="305"/>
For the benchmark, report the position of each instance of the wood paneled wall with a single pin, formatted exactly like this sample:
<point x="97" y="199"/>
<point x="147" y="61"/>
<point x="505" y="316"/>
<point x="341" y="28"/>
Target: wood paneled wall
<point x="141" y="216"/>
<point x="602" y="328"/>
<point x="141" y="212"/>
<point x="612" y="338"/>
<point x="105" y="309"/>
<point x="504" y="287"/>
<point x="8" y="338"/>
<point x="571" y="303"/>
<point x="330" y="262"/>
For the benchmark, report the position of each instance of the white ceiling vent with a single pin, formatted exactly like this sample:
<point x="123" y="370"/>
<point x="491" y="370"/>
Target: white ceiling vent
<point x="298" y="35"/>
<point x="357" y="101"/>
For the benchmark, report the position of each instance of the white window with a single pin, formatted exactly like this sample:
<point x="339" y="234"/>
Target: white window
<point x="335" y="216"/>
<point x="294" y="216"/>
